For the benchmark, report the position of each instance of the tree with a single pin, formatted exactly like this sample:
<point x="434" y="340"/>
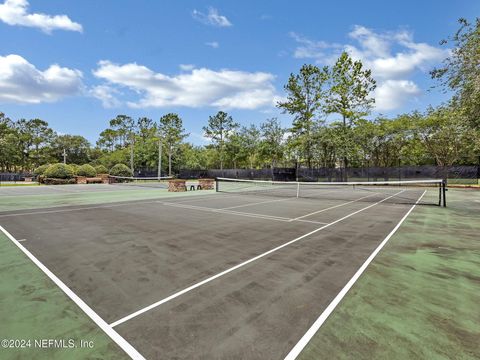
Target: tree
<point x="305" y="100"/>
<point x="461" y="70"/>
<point x="446" y="135"/>
<point x="349" y="89"/>
<point x="34" y="136"/>
<point x="171" y="133"/>
<point x="125" y="128"/>
<point x="10" y="154"/>
<point x="220" y="126"/>
<point x="271" y="145"/>
<point x="76" y="147"/>
<point x="348" y="95"/>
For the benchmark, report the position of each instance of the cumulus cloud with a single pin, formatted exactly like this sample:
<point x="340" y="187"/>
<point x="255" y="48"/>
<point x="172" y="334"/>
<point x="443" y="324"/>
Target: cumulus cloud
<point x="22" y="82"/>
<point x="211" y="18"/>
<point x="15" y="12"/>
<point x="196" y="88"/>
<point x="107" y="95"/>
<point x="392" y="94"/>
<point x="213" y="44"/>
<point x="393" y="56"/>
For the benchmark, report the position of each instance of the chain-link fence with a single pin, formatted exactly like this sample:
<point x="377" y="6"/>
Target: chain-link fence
<point x="462" y="174"/>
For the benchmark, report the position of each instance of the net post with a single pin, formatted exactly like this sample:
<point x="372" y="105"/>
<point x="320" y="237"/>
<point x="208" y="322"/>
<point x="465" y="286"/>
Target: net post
<point x="216" y="184"/>
<point x="444" y="192"/>
<point x="298" y="189"/>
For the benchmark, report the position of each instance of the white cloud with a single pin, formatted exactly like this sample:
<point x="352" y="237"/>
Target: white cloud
<point x="197" y="88"/>
<point x="187" y="67"/>
<point x="212" y="18"/>
<point x="392" y="94"/>
<point x="14" y="12"/>
<point x="213" y="44"/>
<point x="22" y="82"/>
<point x="394" y="58"/>
<point x="106" y="94"/>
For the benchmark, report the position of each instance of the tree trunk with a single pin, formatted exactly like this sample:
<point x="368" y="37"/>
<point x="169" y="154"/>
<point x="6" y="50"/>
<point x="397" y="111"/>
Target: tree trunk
<point x="170" y="162"/>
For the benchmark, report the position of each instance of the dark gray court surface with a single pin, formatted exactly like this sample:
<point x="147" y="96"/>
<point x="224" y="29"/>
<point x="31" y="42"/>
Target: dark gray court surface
<point x="121" y="258"/>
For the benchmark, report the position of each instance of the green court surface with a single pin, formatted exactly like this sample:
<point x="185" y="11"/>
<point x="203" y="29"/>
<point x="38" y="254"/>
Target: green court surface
<point x="34" y="308"/>
<point x="35" y="201"/>
<point x="419" y="298"/>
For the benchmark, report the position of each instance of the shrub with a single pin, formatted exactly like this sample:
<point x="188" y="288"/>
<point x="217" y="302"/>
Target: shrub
<point x="120" y="170"/>
<point x="87" y="170"/>
<point x="101" y="169"/>
<point x="75" y="168"/>
<point x="41" y="169"/>
<point x="59" y="171"/>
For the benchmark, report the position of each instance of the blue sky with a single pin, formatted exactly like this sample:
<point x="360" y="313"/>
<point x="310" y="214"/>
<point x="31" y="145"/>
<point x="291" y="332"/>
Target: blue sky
<point x="77" y="64"/>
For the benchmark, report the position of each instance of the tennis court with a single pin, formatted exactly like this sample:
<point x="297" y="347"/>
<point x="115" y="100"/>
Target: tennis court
<point x="243" y="272"/>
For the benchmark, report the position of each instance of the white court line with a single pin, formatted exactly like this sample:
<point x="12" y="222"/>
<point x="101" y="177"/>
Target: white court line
<point x="106" y="206"/>
<point x="203" y="282"/>
<point x="332" y="207"/>
<point x="238" y="213"/>
<point x="215" y="210"/>
<point x="297" y="349"/>
<point x="116" y="337"/>
<point x="255" y="203"/>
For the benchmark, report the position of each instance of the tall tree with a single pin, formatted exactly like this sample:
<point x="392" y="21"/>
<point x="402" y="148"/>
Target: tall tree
<point x="350" y="86"/>
<point x="305" y="101"/>
<point x="219" y="127"/>
<point x="125" y="127"/>
<point x="461" y="70"/>
<point x="271" y="145"/>
<point x="171" y="133"/>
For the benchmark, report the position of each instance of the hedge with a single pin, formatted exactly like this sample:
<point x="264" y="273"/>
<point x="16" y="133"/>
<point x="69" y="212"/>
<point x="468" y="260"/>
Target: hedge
<point x="120" y="170"/>
<point x="41" y="169"/>
<point x="101" y="169"/>
<point x="87" y="170"/>
<point x="59" y="171"/>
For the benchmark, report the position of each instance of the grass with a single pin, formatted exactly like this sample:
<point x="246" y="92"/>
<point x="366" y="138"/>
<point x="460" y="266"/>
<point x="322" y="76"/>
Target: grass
<point x="419" y="297"/>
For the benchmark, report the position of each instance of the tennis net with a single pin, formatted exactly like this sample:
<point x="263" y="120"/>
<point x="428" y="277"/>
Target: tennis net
<point x="152" y="182"/>
<point x="430" y="192"/>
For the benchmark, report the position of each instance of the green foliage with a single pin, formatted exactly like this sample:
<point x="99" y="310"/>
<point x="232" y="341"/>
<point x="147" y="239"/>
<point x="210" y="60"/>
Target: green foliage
<point x="41" y="169"/>
<point x="87" y="170"/>
<point x="171" y="134"/>
<point x="306" y="96"/>
<point x="75" y="168"/>
<point x="461" y="71"/>
<point x="220" y="127"/>
<point x="59" y="171"/>
<point x="77" y="149"/>
<point x="349" y="88"/>
<point x="120" y="170"/>
<point x="100" y="169"/>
